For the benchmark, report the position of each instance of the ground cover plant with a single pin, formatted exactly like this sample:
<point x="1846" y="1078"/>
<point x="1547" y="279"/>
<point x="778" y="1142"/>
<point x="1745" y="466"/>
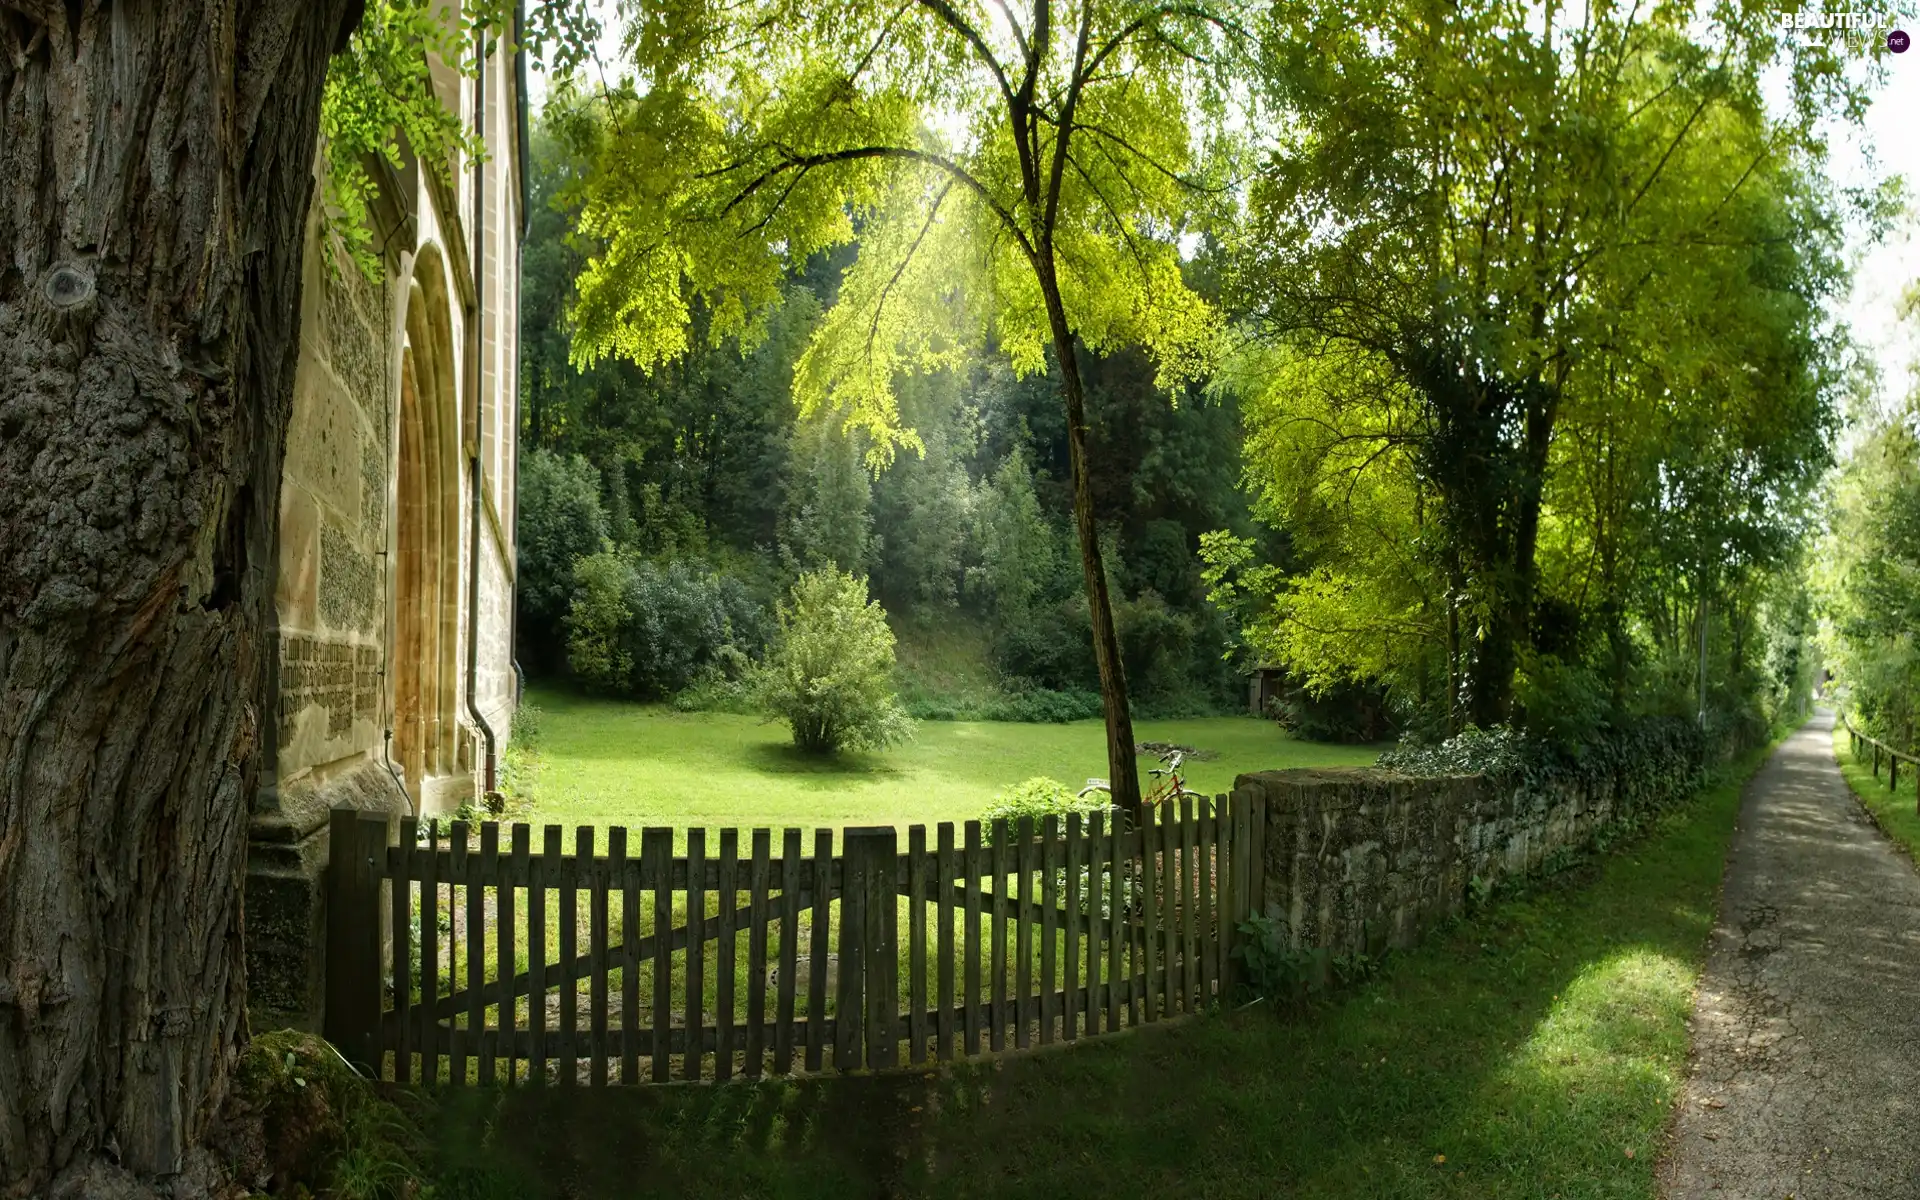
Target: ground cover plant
<point x="1533" y="1049"/>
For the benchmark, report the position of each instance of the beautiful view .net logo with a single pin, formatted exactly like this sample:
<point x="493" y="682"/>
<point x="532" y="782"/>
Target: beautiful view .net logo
<point x="1871" y="23"/>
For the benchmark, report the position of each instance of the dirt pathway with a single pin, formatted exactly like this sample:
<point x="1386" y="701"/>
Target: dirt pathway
<point x="1806" y="1029"/>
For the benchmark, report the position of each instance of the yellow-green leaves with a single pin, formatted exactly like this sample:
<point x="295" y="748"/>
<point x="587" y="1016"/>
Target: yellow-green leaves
<point x="972" y="157"/>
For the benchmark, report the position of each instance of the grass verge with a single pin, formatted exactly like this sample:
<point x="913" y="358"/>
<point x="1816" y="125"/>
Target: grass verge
<point x="1533" y="1050"/>
<point x="1895" y="810"/>
<point x="604" y="762"/>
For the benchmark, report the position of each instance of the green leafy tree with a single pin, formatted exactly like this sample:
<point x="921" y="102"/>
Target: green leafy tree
<point x="830" y="500"/>
<point x="1018" y="177"/>
<point x="560" y="521"/>
<point x="1015" y="544"/>
<point x="829" y="675"/>
<point x="1866" y="575"/>
<point x="1478" y="215"/>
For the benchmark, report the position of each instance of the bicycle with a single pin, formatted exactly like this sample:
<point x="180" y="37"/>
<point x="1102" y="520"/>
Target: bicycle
<point x="1171" y="784"/>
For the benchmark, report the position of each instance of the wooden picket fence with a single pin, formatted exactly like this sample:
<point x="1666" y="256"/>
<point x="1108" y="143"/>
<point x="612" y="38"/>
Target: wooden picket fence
<point x="461" y="961"/>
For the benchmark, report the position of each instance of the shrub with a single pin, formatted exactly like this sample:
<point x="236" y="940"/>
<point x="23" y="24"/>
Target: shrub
<point x="1496" y="751"/>
<point x="1037" y="798"/>
<point x="561" y="521"/>
<point x="597" y="622"/>
<point x="1042" y="705"/>
<point x="678" y="624"/>
<point x="724" y="685"/>
<point x="830" y="672"/>
<point x="650" y="630"/>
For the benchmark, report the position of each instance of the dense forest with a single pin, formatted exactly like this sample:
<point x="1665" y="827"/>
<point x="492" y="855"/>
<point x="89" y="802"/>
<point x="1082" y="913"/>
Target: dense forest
<point x="663" y="514"/>
<point x="1866" y="568"/>
<point x="1470" y="372"/>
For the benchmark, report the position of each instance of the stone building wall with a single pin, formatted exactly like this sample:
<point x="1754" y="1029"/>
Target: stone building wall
<point x="392" y="406"/>
<point x="1358" y="859"/>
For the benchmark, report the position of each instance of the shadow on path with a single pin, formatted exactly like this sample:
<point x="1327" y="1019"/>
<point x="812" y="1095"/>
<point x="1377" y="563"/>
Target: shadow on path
<point x="1806" y="1029"/>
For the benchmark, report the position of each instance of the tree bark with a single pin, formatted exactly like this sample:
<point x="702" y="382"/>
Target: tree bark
<point x="1123" y="771"/>
<point x="156" y="165"/>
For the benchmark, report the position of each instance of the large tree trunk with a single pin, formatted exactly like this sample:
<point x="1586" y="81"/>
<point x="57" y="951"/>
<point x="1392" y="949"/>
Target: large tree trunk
<point x="156" y="164"/>
<point x="1123" y="771"/>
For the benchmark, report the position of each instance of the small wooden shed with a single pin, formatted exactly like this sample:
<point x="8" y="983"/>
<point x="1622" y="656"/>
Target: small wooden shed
<point x="1264" y="683"/>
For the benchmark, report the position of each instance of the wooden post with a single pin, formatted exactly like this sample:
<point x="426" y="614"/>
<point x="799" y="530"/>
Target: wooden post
<point x="353" y="935"/>
<point x="848" y="1006"/>
<point x="873" y="855"/>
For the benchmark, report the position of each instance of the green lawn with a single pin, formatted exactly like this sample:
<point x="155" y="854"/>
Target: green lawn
<point x="1895" y="810"/>
<point x="605" y="762"/>
<point x="1533" y="1051"/>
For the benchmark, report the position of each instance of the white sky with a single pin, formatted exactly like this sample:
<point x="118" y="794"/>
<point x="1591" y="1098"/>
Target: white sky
<point x="1888" y="144"/>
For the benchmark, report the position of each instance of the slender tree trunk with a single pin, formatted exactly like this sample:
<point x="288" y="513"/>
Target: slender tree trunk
<point x="1123" y="771"/>
<point x="156" y="164"/>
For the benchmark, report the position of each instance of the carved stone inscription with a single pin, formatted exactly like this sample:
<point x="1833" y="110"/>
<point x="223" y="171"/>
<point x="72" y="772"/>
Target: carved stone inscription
<point x="339" y="677"/>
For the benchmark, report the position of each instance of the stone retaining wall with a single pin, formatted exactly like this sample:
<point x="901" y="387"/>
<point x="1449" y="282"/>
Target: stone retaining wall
<point x="1360" y="859"/>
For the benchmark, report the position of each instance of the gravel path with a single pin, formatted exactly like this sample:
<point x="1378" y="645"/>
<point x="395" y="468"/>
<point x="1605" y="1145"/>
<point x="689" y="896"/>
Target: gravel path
<point x="1806" y="1029"/>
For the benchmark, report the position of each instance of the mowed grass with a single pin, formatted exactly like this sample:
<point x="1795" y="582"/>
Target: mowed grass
<point x="604" y="762"/>
<point x="1532" y="1051"/>
<point x="1893" y="808"/>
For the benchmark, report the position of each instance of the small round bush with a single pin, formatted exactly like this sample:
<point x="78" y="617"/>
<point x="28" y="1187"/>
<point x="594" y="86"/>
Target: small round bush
<point x="830" y="672"/>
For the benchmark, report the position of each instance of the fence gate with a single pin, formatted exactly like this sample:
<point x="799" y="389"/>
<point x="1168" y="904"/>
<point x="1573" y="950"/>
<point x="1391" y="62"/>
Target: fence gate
<point x="697" y="958"/>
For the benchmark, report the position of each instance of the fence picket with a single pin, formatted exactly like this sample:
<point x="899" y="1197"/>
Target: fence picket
<point x="656" y="853"/>
<point x="880" y="945"/>
<point x="597" y="954"/>
<point x="506" y="924"/>
<point x="459" y="1037"/>
<point x="400" y="892"/>
<point x="997" y="938"/>
<point x="917" y="944"/>
<point x="818" y="959"/>
<point x="1118" y="950"/>
<point x="848" y="1007"/>
<point x="536" y="882"/>
<point x="1207" y="870"/>
<point x="629" y="964"/>
<point x="1022" y="1007"/>
<point x="1049" y="922"/>
<point x="1189" y="899"/>
<point x="1070" y="961"/>
<point x="1150" y="888"/>
<point x="949" y="876"/>
<point x="757" y="953"/>
<point x="696" y="948"/>
<point x="489" y="865"/>
<point x="975" y="868"/>
<point x="725" y="949"/>
<point x="430" y="956"/>
<point x="1222" y="898"/>
<point x="1170" y="965"/>
<point x="568" y="900"/>
<point x="789" y="950"/>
